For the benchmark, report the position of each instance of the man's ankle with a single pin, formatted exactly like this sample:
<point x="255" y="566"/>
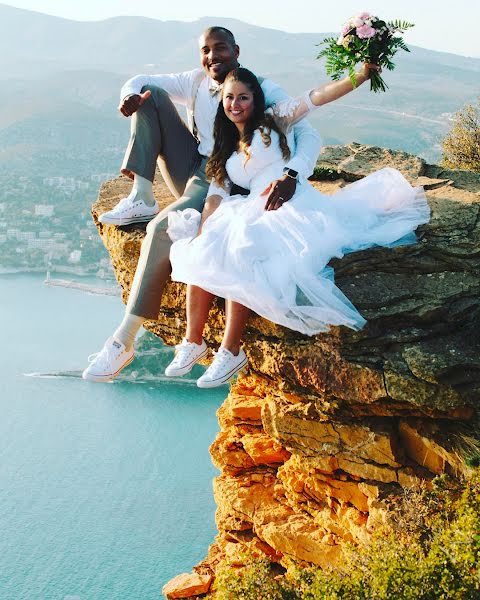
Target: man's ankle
<point x="148" y="198"/>
<point x="143" y="190"/>
<point x="149" y="201"/>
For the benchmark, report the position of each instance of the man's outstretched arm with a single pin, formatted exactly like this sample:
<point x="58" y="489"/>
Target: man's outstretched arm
<point x="177" y="85"/>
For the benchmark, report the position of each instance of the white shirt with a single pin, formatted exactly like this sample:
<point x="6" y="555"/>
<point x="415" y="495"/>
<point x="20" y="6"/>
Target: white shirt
<point x="305" y="142"/>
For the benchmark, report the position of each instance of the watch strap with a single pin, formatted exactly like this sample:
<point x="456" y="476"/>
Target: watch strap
<point x="290" y="173"/>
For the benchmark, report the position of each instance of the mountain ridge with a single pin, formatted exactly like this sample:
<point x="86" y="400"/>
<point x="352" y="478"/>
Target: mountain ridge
<point x="107" y="43"/>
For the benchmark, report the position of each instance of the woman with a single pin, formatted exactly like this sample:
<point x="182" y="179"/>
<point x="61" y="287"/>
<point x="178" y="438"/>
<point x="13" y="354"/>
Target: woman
<point x="274" y="261"/>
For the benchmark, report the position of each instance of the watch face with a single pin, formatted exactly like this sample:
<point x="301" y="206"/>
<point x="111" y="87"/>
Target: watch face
<point x="291" y="173"/>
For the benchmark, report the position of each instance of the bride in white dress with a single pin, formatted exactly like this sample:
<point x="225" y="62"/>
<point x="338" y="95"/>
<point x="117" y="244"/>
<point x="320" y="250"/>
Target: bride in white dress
<point x="274" y="262"/>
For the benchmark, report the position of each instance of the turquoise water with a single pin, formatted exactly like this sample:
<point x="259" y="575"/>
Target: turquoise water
<point x="105" y="489"/>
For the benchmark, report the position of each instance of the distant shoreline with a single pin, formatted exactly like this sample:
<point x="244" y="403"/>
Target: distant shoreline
<point x="5" y="271"/>
<point x="84" y="287"/>
<point x="36" y="270"/>
<point x="101" y="286"/>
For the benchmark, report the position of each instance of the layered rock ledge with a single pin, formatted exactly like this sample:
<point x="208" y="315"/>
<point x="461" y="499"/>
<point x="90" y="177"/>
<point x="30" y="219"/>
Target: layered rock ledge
<point x="318" y="440"/>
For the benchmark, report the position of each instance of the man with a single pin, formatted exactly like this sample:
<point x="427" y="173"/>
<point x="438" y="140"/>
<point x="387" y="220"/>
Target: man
<point x="159" y="135"/>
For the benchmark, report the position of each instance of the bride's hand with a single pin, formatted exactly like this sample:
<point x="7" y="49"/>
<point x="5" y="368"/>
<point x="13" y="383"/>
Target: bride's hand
<point x="368" y="67"/>
<point x="279" y="191"/>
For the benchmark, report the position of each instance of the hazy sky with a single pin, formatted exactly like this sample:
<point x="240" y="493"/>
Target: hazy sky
<point x="446" y="25"/>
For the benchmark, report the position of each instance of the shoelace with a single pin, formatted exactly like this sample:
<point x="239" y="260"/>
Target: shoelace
<point x="123" y="203"/>
<point x="219" y="360"/>
<point x="105" y="354"/>
<point x="186" y="346"/>
<point x="127" y="203"/>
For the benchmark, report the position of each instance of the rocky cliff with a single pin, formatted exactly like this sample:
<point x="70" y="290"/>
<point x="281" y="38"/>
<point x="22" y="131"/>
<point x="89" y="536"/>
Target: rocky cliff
<point x="317" y="441"/>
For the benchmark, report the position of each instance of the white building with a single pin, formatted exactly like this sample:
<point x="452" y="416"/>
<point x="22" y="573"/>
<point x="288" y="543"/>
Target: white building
<point x="41" y="244"/>
<point x="44" y="210"/>
<point x="24" y="236"/>
<point x="75" y="257"/>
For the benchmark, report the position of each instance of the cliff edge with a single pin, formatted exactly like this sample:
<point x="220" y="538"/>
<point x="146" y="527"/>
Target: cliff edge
<point x="318" y="439"/>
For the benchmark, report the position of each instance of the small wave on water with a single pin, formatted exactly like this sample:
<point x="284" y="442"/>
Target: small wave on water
<point x="131" y="378"/>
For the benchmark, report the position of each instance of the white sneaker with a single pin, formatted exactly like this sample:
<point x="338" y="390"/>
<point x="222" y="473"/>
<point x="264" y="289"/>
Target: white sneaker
<point x="107" y="364"/>
<point x="187" y="354"/>
<point x="129" y="210"/>
<point x="223" y="367"/>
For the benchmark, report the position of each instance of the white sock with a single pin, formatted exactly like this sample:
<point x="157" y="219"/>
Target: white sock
<point x="142" y="188"/>
<point x="128" y="329"/>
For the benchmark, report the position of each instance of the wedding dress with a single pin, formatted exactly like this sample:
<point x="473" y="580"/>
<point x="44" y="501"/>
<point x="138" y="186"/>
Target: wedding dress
<point x="275" y="262"/>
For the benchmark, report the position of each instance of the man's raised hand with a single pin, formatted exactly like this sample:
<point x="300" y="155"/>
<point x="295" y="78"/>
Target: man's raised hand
<point x="131" y="103"/>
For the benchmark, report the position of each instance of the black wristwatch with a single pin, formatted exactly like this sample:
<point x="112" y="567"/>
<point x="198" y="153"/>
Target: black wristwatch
<point x="290" y="173"/>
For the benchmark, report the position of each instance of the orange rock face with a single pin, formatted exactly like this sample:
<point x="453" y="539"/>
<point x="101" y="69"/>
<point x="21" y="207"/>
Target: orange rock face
<point x="187" y="585"/>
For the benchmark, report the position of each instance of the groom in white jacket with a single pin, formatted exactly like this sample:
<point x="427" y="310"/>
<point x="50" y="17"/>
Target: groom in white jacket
<point x="160" y="136"/>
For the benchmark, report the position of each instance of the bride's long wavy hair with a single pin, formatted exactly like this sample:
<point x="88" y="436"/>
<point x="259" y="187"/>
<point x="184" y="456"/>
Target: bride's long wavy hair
<point x="227" y="138"/>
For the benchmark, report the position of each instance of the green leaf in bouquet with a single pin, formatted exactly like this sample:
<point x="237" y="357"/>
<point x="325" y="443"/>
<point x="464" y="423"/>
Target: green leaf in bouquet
<point x="400" y="25"/>
<point x="388" y="64"/>
<point x="351" y="74"/>
<point x="399" y="43"/>
<point x="328" y="42"/>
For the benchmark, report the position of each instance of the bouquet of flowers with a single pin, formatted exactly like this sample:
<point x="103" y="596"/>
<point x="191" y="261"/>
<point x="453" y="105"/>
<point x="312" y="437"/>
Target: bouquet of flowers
<point x="364" y="38"/>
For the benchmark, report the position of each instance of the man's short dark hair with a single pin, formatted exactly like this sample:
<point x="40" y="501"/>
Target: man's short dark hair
<point x="226" y="32"/>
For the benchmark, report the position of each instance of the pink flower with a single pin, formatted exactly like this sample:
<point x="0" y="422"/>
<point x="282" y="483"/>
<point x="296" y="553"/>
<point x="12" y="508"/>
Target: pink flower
<point x="365" y="31"/>
<point x="346" y="28"/>
<point x="364" y="16"/>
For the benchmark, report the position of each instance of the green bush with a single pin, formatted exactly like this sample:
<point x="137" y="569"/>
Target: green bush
<point x="461" y="147"/>
<point x="255" y="581"/>
<point x="435" y="556"/>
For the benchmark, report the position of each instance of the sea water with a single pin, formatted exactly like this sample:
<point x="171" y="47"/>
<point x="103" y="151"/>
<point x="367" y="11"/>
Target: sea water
<point x="105" y="489"/>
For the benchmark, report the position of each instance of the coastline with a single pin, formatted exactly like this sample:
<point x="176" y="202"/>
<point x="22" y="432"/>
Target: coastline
<point x="90" y="283"/>
<point x="77" y="272"/>
<point x="83" y="287"/>
<point x="18" y="270"/>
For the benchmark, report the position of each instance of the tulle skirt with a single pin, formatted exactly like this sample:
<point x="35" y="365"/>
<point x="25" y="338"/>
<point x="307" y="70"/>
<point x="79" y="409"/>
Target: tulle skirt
<point x="275" y="262"/>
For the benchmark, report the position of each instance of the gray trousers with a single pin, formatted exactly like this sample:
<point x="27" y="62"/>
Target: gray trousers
<point x="160" y="136"/>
